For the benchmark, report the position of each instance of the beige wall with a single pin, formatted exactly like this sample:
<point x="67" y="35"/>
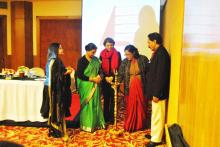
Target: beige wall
<point x="200" y="69"/>
<point x="172" y="28"/>
<point x="195" y="69"/>
<point x="7" y="12"/>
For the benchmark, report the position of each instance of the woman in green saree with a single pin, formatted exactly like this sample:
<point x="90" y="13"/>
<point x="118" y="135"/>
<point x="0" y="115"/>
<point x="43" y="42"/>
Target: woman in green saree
<point x="88" y="79"/>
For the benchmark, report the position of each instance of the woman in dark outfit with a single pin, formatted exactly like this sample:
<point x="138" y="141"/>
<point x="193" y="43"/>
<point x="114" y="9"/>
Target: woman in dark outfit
<point x="110" y="59"/>
<point x="57" y="93"/>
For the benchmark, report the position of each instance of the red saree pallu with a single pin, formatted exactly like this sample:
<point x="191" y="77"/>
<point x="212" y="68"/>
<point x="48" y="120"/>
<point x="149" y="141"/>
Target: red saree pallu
<point x="136" y="107"/>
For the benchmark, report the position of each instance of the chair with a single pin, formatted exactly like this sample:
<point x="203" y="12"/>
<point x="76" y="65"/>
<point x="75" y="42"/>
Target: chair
<point x="37" y="71"/>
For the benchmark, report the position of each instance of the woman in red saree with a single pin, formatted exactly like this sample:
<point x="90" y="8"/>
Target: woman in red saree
<point x="133" y="72"/>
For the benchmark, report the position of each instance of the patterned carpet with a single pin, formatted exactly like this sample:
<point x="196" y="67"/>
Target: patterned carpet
<point x="35" y="136"/>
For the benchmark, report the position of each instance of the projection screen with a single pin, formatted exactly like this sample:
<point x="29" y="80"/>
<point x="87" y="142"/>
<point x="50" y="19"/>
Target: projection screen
<point x="126" y="21"/>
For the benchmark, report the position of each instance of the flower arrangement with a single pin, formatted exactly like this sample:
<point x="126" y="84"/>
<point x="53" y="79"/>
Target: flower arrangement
<point x="22" y="70"/>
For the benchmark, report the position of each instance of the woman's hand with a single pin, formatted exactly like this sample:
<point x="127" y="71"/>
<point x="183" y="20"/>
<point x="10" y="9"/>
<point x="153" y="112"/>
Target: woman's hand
<point x="155" y="99"/>
<point x="99" y="79"/>
<point x="69" y="70"/>
<point x="96" y="79"/>
<point x="109" y="79"/>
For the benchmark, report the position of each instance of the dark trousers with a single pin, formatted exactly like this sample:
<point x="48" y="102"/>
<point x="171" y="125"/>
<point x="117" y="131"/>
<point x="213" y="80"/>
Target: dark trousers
<point x="108" y="94"/>
<point x="45" y="107"/>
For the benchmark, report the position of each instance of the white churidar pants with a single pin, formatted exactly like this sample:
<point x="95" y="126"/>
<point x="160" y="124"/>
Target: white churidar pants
<point x="157" y="120"/>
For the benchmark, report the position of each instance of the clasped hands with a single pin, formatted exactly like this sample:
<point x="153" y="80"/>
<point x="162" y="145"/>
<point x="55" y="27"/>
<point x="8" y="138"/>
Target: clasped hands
<point x="96" y="79"/>
<point x="109" y="79"/>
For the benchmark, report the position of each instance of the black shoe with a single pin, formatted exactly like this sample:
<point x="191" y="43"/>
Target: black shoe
<point x="54" y="133"/>
<point x="148" y="136"/>
<point x="111" y="122"/>
<point x="153" y="144"/>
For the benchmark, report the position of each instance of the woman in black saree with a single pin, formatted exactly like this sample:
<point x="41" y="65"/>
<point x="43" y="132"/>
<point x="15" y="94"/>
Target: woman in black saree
<point x="56" y="93"/>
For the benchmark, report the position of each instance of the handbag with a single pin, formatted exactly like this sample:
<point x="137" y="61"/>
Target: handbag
<point x="176" y="136"/>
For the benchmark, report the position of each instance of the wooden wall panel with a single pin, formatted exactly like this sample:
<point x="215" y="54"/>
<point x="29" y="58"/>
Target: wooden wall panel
<point x="28" y="19"/>
<point x="3" y="42"/>
<point x="65" y="31"/>
<point x="22" y="38"/>
<point x="18" y="44"/>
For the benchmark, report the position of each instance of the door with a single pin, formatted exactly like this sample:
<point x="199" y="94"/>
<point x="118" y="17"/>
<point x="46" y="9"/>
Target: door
<point x="64" y="31"/>
<point x="3" y="45"/>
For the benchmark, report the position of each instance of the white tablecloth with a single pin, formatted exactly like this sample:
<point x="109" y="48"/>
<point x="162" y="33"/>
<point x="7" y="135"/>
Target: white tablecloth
<point x="21" y="100"/>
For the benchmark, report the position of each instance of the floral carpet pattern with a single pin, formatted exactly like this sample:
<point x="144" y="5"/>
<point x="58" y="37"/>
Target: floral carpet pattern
<point x="35" y="137"/>
<point x="38" y="136"/>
